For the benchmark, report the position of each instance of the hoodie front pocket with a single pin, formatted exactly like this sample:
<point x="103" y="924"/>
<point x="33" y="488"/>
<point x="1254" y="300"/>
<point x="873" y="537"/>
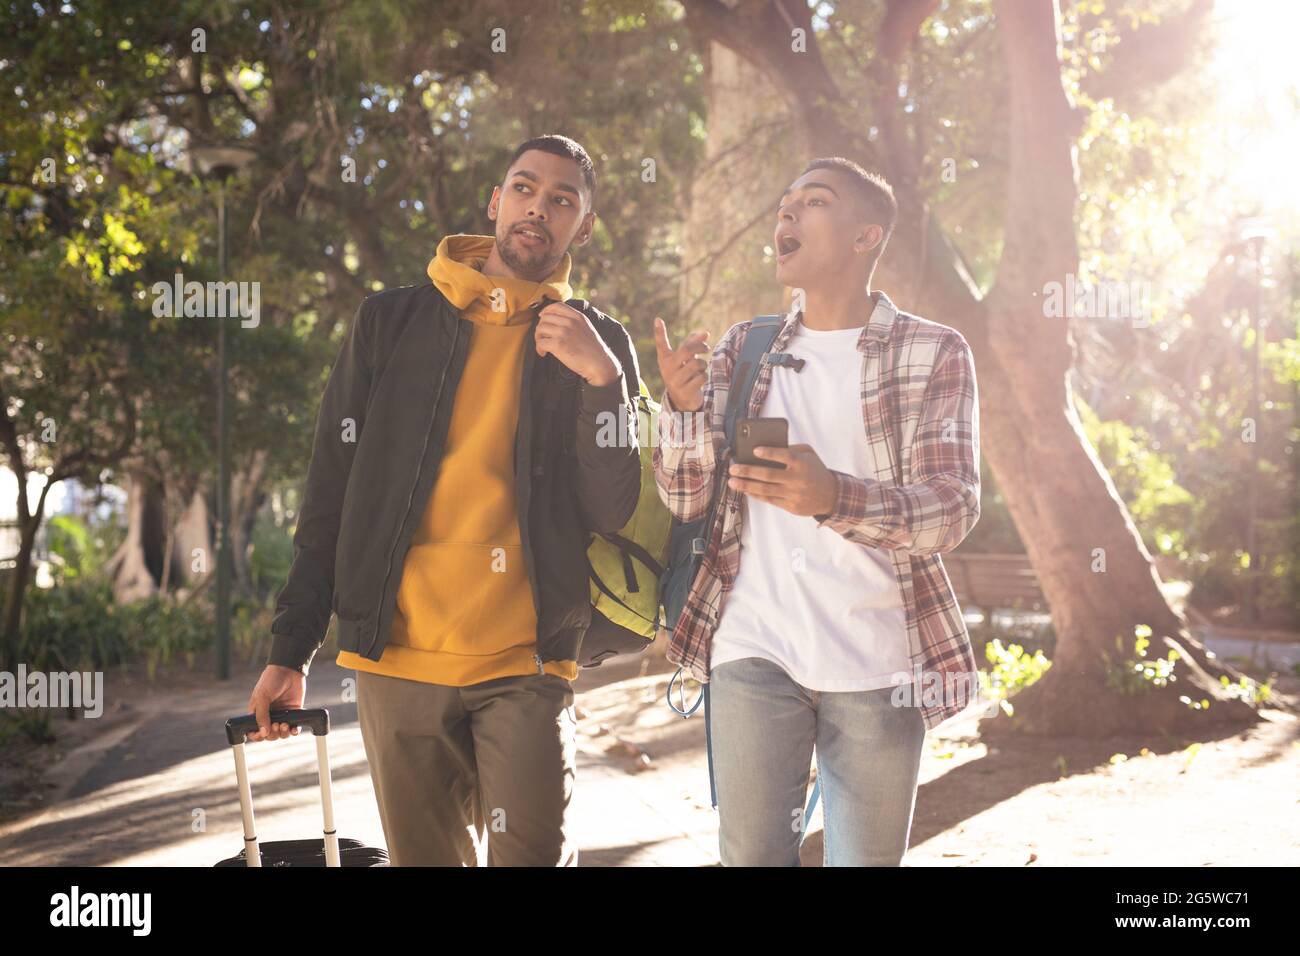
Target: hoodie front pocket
<point x="466" y="599"/>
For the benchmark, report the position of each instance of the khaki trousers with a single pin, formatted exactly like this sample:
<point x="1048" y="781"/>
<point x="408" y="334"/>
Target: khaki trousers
<point x="454" y="766"/>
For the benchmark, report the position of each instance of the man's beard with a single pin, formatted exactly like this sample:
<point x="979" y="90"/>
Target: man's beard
<point x="534" y="265"/>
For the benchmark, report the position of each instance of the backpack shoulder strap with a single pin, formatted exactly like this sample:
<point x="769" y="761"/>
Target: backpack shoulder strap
<point x="758" y="340"/>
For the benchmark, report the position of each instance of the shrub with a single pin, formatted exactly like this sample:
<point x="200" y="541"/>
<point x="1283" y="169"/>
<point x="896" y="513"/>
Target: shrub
<point x="77" y="626"/>
<point x="1012" y="669"/>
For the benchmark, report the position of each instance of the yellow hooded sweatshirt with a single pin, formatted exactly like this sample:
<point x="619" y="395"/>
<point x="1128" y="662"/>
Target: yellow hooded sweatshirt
<point x="464" y="607"/>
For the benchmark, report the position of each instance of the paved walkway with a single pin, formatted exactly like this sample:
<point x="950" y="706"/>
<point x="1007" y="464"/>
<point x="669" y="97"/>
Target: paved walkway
<point x="160" y="789"/>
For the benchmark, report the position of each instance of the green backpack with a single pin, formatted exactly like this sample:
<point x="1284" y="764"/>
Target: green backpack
<point x="626" y="611"/>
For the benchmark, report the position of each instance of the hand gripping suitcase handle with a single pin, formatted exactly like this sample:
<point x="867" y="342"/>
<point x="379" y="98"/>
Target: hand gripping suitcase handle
<point x="318" y="720"/>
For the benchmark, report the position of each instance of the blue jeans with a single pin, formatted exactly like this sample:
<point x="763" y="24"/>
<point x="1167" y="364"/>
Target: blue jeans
<point x="764" y="727"/>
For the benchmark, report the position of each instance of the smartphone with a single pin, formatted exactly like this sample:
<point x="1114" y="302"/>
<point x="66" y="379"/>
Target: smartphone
<point x="751" y="432"/>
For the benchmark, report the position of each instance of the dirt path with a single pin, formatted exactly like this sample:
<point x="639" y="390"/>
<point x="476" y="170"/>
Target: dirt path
<point x="154" y="785"/>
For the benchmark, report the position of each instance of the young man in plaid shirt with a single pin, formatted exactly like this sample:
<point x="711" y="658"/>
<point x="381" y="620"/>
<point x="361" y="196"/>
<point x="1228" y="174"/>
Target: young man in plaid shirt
<point x="839" y="629"/>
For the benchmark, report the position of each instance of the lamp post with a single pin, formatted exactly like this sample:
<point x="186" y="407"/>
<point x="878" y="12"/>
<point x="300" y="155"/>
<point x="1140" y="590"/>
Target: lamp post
<point x="1254" y="231"/>
<point x="220" y="163"/>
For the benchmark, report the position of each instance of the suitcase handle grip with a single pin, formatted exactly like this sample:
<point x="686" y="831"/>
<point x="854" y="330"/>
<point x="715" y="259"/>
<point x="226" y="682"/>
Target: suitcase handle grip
<point x="316" y="719"/>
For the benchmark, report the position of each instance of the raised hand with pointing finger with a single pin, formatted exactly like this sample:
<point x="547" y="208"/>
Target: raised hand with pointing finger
<point x="683" y="371"/>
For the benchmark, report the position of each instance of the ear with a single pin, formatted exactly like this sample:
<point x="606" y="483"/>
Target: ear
<point x="494" y="203"/>
<point x="868" y="239"/>
<point x="584" y="231"/>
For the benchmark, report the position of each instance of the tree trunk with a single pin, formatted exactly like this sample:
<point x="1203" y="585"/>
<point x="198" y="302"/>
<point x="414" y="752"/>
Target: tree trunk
<point x="29" y="523"/>
<point x="748" y="148"/>
<point x="246" y="498"/>
<point x="1095" y="570"/>
<point x="137" y="568"/>
<point x="193" y="540"/>
<point x="137" y="565"/>
<point x="16" y="583"/>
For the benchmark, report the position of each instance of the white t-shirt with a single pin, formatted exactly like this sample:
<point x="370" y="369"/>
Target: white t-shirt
<point x="827" y="610"/>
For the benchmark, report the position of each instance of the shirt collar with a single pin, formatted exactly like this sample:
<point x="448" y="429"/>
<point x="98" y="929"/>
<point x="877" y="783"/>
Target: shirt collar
<point x="877" y="329"/>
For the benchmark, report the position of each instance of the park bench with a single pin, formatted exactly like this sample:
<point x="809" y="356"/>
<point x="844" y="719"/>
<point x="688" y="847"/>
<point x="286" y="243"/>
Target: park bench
<point x="995" y="582"/>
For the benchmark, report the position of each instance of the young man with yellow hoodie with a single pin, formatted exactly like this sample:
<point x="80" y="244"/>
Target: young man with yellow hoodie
<point x="454" y="484"/>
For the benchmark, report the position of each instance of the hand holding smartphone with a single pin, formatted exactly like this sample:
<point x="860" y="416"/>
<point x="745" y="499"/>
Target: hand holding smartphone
<point x="752" y="432"/>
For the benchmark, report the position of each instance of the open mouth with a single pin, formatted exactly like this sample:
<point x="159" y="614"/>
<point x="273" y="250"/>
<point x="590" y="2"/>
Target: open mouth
<point x="786" y="246"/>
<point x="531" y="235"/>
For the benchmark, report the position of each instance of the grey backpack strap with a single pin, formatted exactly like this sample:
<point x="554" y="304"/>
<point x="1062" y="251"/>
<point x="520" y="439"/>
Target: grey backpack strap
<point x="761" y="334"/>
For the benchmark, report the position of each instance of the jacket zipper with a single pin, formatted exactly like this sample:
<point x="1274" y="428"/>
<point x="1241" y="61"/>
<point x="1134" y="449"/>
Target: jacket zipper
<point x="530" y="412"/>
<point x="419" y="470"/>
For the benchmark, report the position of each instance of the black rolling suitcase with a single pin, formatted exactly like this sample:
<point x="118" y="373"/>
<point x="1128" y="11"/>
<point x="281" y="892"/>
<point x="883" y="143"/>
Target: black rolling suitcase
<point x="330" y="850"/>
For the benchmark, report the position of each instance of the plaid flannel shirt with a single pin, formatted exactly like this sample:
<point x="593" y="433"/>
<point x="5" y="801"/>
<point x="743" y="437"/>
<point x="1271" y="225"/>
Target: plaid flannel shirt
<point x="920" y="410"/>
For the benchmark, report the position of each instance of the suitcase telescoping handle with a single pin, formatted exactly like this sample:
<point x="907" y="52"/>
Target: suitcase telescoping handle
<point x="318" y="720"/>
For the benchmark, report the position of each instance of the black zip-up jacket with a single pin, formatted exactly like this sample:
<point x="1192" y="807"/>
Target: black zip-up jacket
<point x="396" y="378"/>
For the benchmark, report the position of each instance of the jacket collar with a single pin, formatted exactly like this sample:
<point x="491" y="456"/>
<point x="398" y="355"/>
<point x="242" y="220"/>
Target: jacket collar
<point x="877" y="329"/>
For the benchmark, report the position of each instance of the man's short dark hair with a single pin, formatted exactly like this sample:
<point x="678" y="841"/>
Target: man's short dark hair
<point x="558" y="145"/>
<point x="874" y="193"/>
